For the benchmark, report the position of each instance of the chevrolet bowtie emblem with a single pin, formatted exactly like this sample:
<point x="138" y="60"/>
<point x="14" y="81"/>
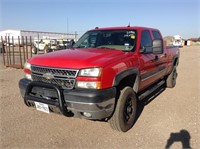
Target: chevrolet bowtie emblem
<point x="48" y="76"/>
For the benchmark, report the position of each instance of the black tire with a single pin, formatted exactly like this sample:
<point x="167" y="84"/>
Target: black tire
<point x="34" y="50"/>
<point x="171" y="79"/>
<point x="47" y="49"/>
<point x="125" y="111"/>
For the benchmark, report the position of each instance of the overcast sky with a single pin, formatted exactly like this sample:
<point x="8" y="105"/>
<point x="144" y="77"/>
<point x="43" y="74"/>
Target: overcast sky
<point x="172" y="17"/>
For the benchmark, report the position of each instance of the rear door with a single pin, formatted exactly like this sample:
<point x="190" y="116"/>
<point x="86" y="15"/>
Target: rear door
<point x="149" y="64"/>
<point x="161" y="59"/>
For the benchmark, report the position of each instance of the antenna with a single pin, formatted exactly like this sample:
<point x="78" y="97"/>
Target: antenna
<point x="129" y="24"/>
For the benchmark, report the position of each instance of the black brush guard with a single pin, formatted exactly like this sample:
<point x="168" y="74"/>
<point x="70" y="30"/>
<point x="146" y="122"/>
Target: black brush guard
<point x="58" y="103"/>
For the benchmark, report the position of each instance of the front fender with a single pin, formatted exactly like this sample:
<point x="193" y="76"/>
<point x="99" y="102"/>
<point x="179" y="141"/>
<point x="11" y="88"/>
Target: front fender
<point x="131" y="71"/>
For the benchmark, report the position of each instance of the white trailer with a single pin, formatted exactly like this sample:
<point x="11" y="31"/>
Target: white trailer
<point x="177" y="41"/>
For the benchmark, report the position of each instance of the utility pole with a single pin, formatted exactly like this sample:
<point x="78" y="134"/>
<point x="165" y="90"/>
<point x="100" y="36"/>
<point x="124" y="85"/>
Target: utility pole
<point x="67" y="27"/>
<point x="75" y="36"/>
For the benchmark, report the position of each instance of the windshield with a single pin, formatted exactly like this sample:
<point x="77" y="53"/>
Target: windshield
<point x="115" y="39"/>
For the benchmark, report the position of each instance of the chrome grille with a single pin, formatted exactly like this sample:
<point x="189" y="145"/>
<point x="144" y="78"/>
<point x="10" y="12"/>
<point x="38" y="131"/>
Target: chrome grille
<point x="64" y="78"/>
<point x="54" y="71"/>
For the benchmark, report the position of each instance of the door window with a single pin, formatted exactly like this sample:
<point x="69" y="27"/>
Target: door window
<point x="146" y="41"/>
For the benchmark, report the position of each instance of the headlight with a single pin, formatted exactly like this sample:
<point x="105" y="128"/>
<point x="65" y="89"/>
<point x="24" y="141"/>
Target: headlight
<point x="27" y="66"/>
<point x="27" y="70"/>
<point x="90" y="72"/>
<point x="88" y="85"/>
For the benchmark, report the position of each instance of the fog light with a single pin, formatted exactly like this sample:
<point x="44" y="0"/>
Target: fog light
<point x="86" y="114"/>
<point x="28" y="76"/>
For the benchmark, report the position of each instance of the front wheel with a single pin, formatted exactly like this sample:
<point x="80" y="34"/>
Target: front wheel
<point x="34" y="50"/>
<point x="125" y="112"/>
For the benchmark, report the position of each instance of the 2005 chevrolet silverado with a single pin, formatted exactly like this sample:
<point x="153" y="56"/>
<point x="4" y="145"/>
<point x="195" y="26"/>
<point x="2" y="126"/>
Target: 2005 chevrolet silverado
<point x="102" y="76"/>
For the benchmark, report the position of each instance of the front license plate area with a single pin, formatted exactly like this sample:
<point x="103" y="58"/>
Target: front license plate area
<point x="42" y="107"/>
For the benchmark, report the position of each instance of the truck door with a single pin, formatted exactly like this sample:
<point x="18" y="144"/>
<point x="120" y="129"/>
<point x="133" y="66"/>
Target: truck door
<point x="148" y="60"/>
<point x="161" y="59"/>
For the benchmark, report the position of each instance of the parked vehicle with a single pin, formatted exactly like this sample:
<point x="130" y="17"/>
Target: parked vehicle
<point x="39" y="45"/>
<point x="63" y="43"/>
<point x="177" y="41"/>
<point x="103" y="76"/>
<point x="49" y="45"/>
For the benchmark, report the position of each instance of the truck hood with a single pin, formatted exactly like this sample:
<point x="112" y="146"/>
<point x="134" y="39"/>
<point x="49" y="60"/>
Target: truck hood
<point x="78" y="58"/>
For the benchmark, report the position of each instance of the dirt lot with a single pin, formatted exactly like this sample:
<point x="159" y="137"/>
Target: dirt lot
<point x="173" y="115"/>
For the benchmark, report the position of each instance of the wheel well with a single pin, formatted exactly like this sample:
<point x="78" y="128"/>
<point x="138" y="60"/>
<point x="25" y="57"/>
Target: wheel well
<point x="127" y="81"/>
<point x="131" y="81"/>
<point x="175" y="62"/>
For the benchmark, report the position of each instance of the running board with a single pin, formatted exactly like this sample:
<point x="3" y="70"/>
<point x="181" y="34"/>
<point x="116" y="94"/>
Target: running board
<point x="151" y="90"/>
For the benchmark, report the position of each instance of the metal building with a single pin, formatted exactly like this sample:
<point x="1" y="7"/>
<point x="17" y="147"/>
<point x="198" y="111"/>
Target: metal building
<point x="37" y="34"/>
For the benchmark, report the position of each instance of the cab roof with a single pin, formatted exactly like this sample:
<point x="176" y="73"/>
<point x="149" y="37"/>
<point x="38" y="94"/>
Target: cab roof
<point x="124" y="28"/>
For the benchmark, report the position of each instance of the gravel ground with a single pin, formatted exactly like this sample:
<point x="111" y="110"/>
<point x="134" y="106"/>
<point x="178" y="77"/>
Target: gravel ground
<point x="173" y="117"/>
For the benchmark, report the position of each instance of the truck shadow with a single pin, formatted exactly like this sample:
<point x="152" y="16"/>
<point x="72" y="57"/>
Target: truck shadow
<point x="183" y="136"/>
<point x="148" y="99"/>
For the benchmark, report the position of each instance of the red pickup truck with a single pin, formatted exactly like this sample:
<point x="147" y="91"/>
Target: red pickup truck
<point x="102" y="76"/>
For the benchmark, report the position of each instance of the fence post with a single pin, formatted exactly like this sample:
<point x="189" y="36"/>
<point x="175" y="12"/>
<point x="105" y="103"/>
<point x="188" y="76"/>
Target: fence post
<point x="6" y="49"/>
<point x="9" y="50"/>
<point x="26" y="48"/>
<point x="20" y="54"/>
<point x="3" y="50"/>
<point x="24" y="55"/>
<point x="13" y="50"/>
<point x="31" y="45"/>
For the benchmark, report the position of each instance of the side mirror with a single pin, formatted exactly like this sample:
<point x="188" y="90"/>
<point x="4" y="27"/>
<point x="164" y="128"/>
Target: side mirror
<point x="158" y="46"/>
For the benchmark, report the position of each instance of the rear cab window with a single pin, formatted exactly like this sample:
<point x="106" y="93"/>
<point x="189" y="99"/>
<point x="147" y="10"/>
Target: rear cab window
<point x="156" y="34"/>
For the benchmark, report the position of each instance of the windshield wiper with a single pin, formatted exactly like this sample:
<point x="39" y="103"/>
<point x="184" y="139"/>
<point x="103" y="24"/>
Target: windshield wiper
<point x="106" y="48"/>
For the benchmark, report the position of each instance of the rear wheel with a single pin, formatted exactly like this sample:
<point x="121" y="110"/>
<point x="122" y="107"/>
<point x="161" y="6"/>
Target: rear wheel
<point x="47" y="49"/>
<point x="125" y="112"/>
<point x="171" y="79"/>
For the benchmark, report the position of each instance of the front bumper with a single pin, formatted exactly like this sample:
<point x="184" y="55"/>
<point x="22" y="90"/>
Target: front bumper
<point x="98" y="103"/>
